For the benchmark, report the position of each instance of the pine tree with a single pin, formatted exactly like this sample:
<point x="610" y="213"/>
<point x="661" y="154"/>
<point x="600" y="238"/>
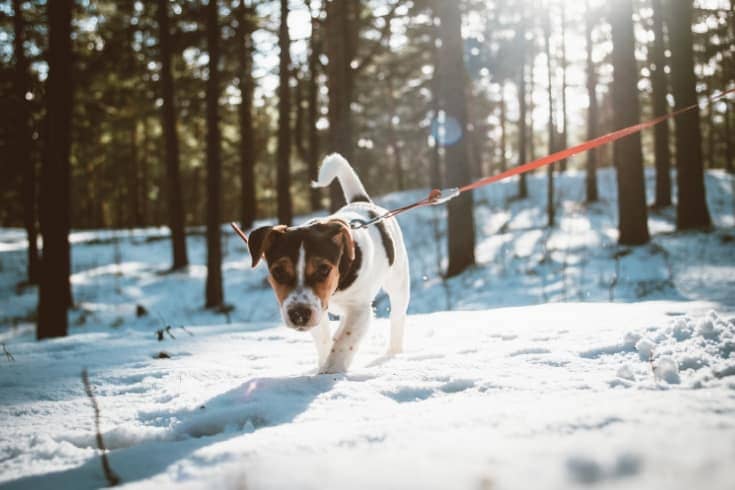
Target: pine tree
<point x="662" y="153"/>
<point x="593" y="112"/>
<point x="171" y="140"/>
<point x="55" y="288"/>
<point x="22" y="146"/>
<point x="214" y="293"/>
<point x="452" y="73"/>
<point x="632" y="212"/>
<point x="283" y="186"/>
<point x="691" y="205"/>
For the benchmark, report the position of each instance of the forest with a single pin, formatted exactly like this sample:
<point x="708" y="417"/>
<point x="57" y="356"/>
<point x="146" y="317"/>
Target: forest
<point x="572" y="306"/>
<point x="130" y="114"/>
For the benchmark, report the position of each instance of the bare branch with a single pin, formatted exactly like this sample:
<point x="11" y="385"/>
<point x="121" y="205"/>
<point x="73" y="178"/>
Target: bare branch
<point x="384" y="32"/>
<point x="110" y="475"/>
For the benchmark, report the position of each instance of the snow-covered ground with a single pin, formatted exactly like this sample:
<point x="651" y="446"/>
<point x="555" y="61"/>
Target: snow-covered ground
<point x="561" y="360"/>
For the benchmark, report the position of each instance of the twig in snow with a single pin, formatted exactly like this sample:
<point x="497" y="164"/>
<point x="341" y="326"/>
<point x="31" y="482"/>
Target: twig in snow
<point x="161" y="331"/>
<point x="110" y="475"/>
<point x="8" y="355"/>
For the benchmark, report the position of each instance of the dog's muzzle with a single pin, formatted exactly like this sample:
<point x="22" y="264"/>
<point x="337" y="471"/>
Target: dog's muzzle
<point x="300" y="315"/>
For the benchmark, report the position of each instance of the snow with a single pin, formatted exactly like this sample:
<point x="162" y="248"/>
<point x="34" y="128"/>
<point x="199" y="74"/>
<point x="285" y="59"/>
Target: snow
<point x="562" y="360"/>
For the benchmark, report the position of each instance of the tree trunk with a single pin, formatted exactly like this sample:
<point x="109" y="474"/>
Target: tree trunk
<point x="531" y="108"/>
<point x="55" y="288"/>
<point x="144" y="175"/>
<point x="729" y="166"/>
<point x="134" y="171"/>
<point x="593" y="112"/>
<point x="691" y="206"/>
<point x="436" y="179"/>
<point x="340" y="51"/>
<point x="633" y="215"/>
<point x="564" y="121"/>
<point x="393" y="140"/>
<point x="522" y="103"/>
<point x="247" y="131"/>
<point x="503" y="135"/>
<point x="662" y="151"/>
<point x="711" y="160"/>
<point x="312" y="111"/>
<point x="299" y="115"/>
<point x="550" y="215"/>
<point x="171" y="141"/>
<point x="461" y="225"/>
<point x="23" y="143"/>
<point x="214" y="293"/>
<point x="283" y="157"/>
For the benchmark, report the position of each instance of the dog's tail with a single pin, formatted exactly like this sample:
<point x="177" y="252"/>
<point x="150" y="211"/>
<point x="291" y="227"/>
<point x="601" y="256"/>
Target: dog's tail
<point x="335" y="166"/>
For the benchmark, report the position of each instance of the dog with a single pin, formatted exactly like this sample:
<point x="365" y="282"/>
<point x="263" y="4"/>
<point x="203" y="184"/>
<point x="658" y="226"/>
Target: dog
<point x="324" y="265"/>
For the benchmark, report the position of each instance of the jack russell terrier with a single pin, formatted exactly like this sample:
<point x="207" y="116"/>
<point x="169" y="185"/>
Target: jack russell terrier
<point x="325" y="265"/>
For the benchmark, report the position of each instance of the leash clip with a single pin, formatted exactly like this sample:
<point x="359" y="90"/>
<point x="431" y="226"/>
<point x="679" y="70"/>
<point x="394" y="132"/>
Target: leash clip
<point x="438" y="197"/>
<point x="357" y="224"/>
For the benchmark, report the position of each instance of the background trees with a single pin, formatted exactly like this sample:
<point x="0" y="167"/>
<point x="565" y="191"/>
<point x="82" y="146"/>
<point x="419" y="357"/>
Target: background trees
<point x="55" y="288"/>
<point x="691" y="207"/>
<point x="171" y="139"/>
<point x="633" y="215"/>
<point x="157" y="139"/>
<point x="214" y="293"/>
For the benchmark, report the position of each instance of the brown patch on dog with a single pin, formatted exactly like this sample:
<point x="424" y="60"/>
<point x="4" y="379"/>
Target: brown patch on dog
<point x="329" y="251"/>
<point x="260" y="241"/>
<point x="323" y="285"/>
<point x="282" y="277"/>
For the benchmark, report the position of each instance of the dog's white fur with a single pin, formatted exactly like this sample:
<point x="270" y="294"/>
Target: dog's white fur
<point x="354" y="304"/>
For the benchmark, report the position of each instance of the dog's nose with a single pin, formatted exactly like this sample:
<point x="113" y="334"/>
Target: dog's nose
<point x="300" y="315"/>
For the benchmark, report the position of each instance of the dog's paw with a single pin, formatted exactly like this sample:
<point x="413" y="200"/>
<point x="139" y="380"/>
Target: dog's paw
<point x="394" y="351"/>
<point x="333" y="366"/>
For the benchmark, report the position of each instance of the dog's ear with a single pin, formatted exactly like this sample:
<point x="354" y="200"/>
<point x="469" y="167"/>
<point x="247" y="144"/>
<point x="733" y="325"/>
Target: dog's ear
<point x="342" y="235"/>
<point x="261" y="239"/>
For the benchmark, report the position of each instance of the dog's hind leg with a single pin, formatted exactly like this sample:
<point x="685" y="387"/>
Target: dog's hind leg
<point x="398" y="287"/>
<point x="355" y="323"/>
<point x="322" y="339"/>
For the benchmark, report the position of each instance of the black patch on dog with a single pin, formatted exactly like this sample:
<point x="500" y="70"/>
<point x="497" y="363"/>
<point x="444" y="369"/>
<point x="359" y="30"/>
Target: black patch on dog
<point x="361" y="198"/>
<point x="388" y="245"/>
<point x="348" y="270"/>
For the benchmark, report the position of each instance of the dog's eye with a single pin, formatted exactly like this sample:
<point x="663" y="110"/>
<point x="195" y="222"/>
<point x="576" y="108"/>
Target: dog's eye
<point x="322" y="272"/>
<point x="279" y="274"/>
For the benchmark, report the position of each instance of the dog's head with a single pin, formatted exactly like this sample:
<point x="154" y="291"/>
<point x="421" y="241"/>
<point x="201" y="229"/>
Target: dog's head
<point x="305" y="265"/>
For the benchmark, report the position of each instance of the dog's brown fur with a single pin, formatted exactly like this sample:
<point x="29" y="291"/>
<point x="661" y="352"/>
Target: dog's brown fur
<point x="328" y="247"/>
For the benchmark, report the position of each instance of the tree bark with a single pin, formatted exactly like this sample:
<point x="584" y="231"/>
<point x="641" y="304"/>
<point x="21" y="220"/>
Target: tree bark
<point x="565" y="120"/>
<point x="593" y="112"/>
<point x="522" y="103"/>
<point x="247" y="131"/>
<point x="550" y="215"/>
<point x="171" y="142"/>
<point x="691" y="206"/>
<point x="214" y="293"/>
<point x="283" y="157"/>
<point x="340" y="76"/>
<point x="662" y="151"/>
<point x="312" y="111"/>
<point x="531" y="108"/>
<point x="503" y="132"/>
<point x="632" y="212"/>
<point x="23" y="143"/>
<point x="436" y="179"/>
<point x="55" y="288"/>
<point x="461" y="225"/>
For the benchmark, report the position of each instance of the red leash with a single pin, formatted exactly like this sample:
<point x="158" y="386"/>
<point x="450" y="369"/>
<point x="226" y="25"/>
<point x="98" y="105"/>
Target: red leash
<point x="437" y="196"/>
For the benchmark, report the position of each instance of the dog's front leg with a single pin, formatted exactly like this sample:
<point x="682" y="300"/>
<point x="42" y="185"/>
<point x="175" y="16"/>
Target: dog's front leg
<point x="347" y="339"/>
<point x="322" y="339"/>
